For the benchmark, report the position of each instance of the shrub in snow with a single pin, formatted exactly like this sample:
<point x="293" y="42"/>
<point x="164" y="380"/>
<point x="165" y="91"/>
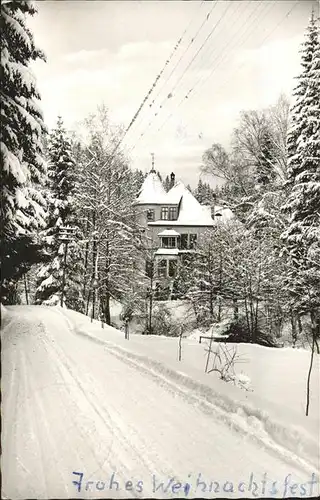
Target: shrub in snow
<point x="53" y="301"/>
<point x="163" y="322"/>
<point x="241" y="380"/>
<point x="238" y="331"/>
<point x="224" y="358"/>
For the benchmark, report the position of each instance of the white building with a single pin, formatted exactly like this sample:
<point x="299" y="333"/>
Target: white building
<point x="173" y="220"/>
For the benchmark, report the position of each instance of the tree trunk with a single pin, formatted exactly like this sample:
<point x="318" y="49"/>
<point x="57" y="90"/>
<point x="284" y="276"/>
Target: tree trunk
<point x="149" y="330"/>
<point x="247" y="314"/>
<point x="88" y="302"/>
<point x="309" y="375"/>
<point x="26" y="288"/>
<point x="300" y="328"/>
<point x="86" y="262"/>
<point x="94" y="277"/>
<point x="107" y="313"/>
<point x="219" y="309"/>
<point x="293" y="321"/>
<point x="235" y="310"/>
<point x="150" y="313"/>
<point x="64" y="273"/>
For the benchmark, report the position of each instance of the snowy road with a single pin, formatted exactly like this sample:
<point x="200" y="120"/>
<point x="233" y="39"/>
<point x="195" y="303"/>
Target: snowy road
<point x="71" y="404"/>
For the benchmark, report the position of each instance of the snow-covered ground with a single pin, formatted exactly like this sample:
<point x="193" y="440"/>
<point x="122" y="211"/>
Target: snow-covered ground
<point x="79" y="399"/>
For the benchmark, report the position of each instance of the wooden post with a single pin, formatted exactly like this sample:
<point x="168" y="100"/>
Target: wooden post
<point x="209" y="352"/>
<point x="64" y="272"/>
<point x="126" y="329"/>
<point x="180" y="338"/>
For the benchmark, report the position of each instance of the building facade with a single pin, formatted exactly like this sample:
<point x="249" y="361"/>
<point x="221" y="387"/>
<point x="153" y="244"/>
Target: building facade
<point x="172" y="222"/>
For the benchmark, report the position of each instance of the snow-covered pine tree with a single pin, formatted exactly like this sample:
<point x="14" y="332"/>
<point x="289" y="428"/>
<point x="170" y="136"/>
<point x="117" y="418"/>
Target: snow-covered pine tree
<point x="62" y="213"/>
<point x="22" y="164"/>
<point x="296" y="124"/>
<point x="302" y="236"/>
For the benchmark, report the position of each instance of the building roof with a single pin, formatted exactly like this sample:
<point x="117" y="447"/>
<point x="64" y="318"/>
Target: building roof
<point x="152" y="190"/>
<point x="175" y="194"/>
<point x="167" y="251"/>
<point x="169" y="232"/>
<point x="191" y="212"/>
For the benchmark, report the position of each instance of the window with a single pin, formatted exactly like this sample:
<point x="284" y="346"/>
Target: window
<point x="188" y="241"/>
<point x="150" y="214"/>
<point x="168" y="242"/>
<point x="162" y="268"/>
<point x="173" y="213"/>
<point x="192" y="241"/>
<point x="184" y="242"/>
<point x="164" y="213"/>
<point x="172" y="268"/>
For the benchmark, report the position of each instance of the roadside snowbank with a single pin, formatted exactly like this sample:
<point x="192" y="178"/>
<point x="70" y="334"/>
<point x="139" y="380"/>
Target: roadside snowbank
<point x="275" y="372"/>
<point x="77" y="397"/>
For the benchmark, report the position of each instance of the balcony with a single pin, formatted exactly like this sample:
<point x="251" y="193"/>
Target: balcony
<point x="169" y="238"/>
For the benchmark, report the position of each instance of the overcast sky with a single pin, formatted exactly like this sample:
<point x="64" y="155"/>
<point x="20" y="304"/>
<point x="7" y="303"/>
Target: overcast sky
<point x="111" y="52"/>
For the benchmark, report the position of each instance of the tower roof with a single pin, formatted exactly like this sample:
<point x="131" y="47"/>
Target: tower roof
<point x="152" y="190"/>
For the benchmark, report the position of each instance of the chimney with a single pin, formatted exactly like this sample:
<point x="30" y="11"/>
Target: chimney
<point x="172" y="180"/>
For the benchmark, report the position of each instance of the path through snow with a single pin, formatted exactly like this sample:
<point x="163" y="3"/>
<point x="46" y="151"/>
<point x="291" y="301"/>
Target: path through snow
<point x="72" y="404"/>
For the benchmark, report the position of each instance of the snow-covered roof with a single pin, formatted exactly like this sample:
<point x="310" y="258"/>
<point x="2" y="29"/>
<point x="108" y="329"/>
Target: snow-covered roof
<point x="167" y="251"/>
<point x="223" y="214"/>
<point x="152" y="190"/>
<point x="169" y="232"/>
<point x="192" y="212"/>
<point x="176" y="192"/>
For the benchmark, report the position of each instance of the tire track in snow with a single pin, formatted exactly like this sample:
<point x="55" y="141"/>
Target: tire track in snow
<point x="131" y="447"/>
<point x="242" y="420"/>
<point x="32" y="417"/>
<point x="66" y="374"/>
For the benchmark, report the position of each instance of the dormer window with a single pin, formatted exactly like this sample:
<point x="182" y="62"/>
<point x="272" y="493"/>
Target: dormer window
<point x="164" y="213"/>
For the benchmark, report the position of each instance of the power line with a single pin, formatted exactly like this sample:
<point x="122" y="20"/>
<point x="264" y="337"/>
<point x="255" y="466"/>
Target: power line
<point x="261" y="43"/>
<point x="186" y="50"/>
<point x="196" y="54"/>
<point x="165" y="66"/>
<point x="150" y="123"/>
<point x="193" y="38"/>
<point x="190" y="62"/>
<point x="220" y="57"/>
<point x="183" y="100"/>
<point x="108" y="162"/>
